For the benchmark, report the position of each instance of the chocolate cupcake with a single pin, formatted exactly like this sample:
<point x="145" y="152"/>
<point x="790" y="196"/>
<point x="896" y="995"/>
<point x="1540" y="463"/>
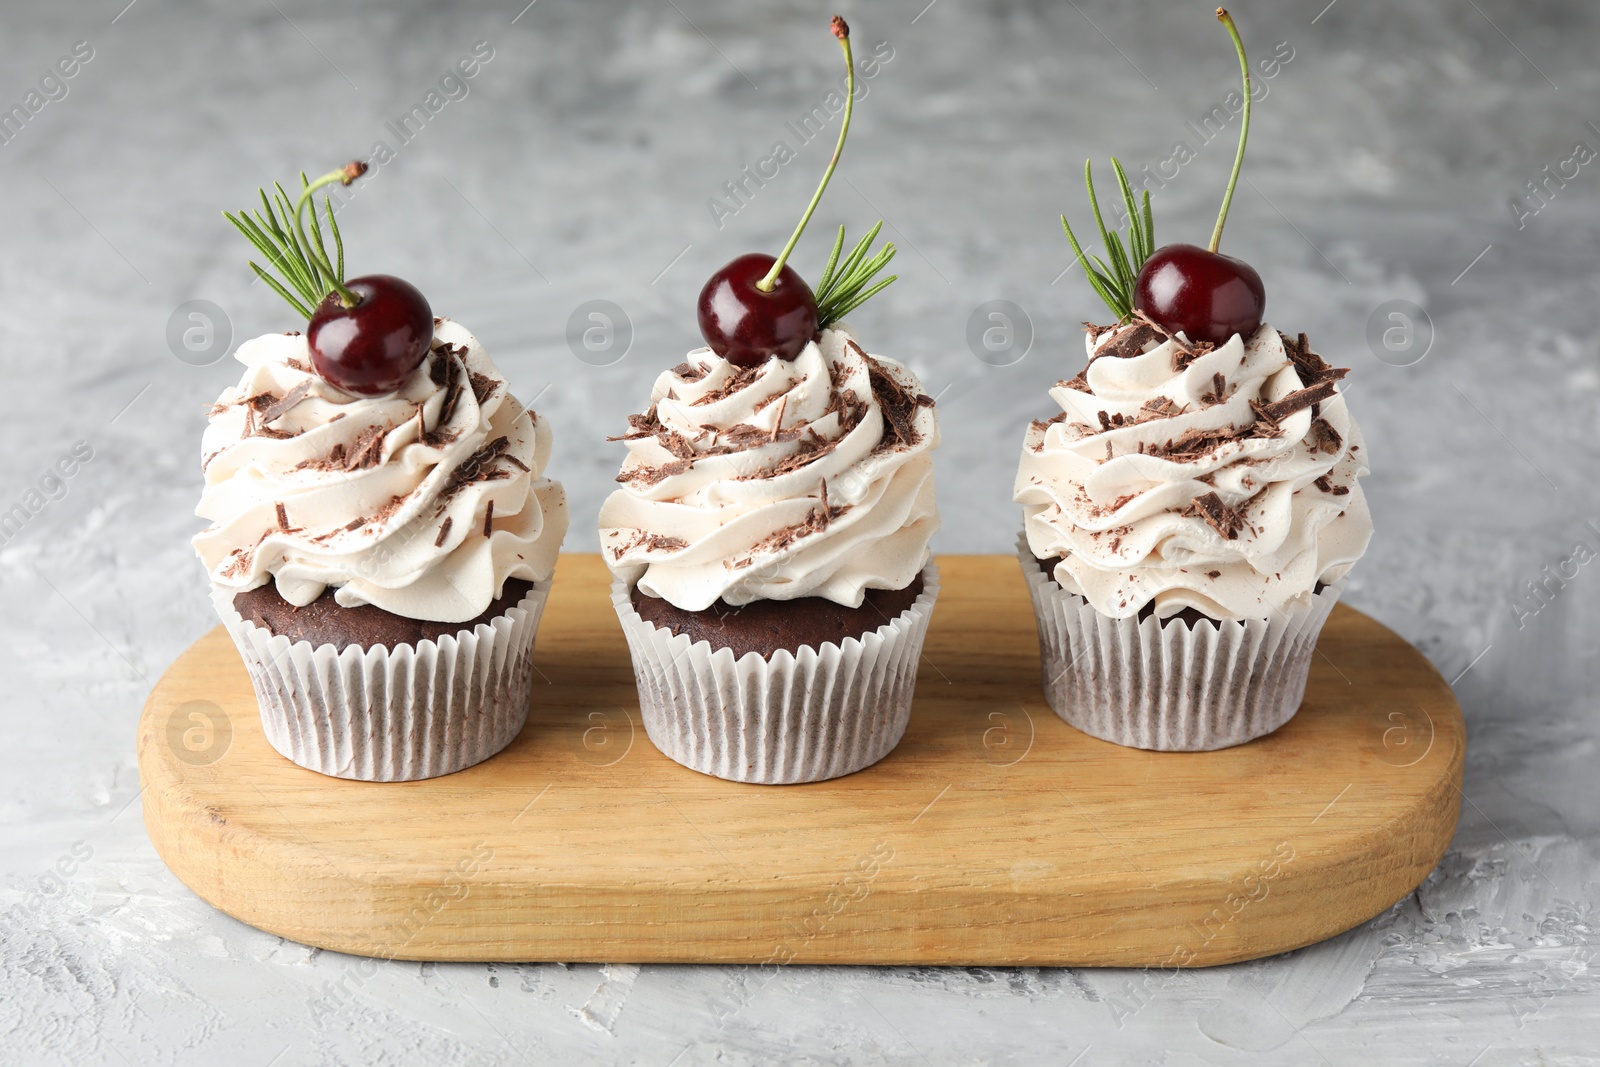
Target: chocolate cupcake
<point x="1188" y="519"/>
<point x="381" y="562"/>
<point x="1190" y="514"/>
<point x="382" y="534"/>
<point x="769" y="543"/>
<point x="770" y="551"/>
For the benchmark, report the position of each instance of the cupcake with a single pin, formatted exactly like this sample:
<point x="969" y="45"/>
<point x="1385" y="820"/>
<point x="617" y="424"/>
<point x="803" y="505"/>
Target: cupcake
<point x="1191" y="512"/>
<point x="382" y="535"/>
<point x="769" y="542"/>
<point x="769" y="546"/>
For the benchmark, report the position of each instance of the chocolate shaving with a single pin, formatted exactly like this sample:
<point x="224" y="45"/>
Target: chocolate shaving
<point x="1161" y="407"/>
<point x="648" y="476"/>
<point x="440" y="438"/>
<point x="663" y="543"/>
<point x="390" y="506"/>
<point x="817" y="519"/>
<point x="482" y="385"/>
<point x="1324" y="438"/>
<point x="679" y="446"/>
<point x="283" y="517"/>
<point x="812" y="447"/>
<point x="1311" y="367"/>
<point x="648" y="542"/>
<point x="1193" y="444"/>
<point x="282" y="407"/>
<point x="515" y="462"/>
<point x="1042" y="425"/>
<point x="740" y="378"/>
<point x="452" y="393"/>
<point x="1187" y="354"/>
<point x="444" y="531"/>
<point x="1129" y="341"/>
<point x="690" y="372"/>
<point x="777" y="423"/>
<point x="640" y="426"/>
<point x="488" y="519"/>
<point x="898" y="404"/>
<point x="1188" y="351"/>
<point x="1325" y="483"/>
<point x="1080" y="382"/>
<point x="238" y="562"/>
<point x="367" y="451"/>
<point x="1218" y="393"/>
<point x="1219" y="516"/>
<point x="478" y="467"/>
<point x="1276" y="411"/>
<point x="742" y="435"/>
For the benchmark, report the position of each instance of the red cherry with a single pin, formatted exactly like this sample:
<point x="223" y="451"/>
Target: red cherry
<point x="1207" y="295"/>
<point x="745" y="325"/>
<point x="372" y="348"/>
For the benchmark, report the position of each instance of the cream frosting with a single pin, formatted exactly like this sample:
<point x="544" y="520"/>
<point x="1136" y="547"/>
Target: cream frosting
<point x="1221" y="479"/>
<point x="792" y="479"/>
<point x="422" y="502"/>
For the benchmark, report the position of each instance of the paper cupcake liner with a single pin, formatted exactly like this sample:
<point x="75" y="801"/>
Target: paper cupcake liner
<point x="392" y="715"/>
<point x="1172" y="688"/>
<point x="789" y="717"/>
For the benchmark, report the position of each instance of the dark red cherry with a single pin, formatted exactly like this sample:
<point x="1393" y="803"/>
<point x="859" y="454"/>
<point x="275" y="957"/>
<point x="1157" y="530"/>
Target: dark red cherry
<point x="372" y="348"/>
<point x="744" y="325"/>
<point x="1207" y="295"/>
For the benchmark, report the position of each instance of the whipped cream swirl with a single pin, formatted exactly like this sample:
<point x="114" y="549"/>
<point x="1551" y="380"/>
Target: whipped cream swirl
<point x="1189" y="476"/>
<point x="791" y="479"/>
<point x="422" y="502"/>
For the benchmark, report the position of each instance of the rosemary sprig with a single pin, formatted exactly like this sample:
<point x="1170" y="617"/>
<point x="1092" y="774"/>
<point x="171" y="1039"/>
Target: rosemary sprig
<point x="1114" y="281"/>
<point x="844" y="286"/>
<point x="304" y="275"/>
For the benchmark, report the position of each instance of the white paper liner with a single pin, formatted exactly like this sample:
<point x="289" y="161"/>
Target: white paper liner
<point x="1172" y="688"/>
<point x="382" y="715"/>
<point x="787" y="718"/>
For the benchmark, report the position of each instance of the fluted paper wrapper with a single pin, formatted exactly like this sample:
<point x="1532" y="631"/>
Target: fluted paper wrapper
<point x="1171" y="688"/>
<point x="789" y="717"/>
<point x="392" y="715"/>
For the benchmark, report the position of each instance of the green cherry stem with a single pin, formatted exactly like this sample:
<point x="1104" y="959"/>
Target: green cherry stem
<point x="841" y="30"/>
<point x="1244" y="129"/>
<point x="344" y="176"/>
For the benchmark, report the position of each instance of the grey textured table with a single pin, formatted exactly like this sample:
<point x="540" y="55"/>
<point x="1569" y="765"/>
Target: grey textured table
<point x="578" y="165"/>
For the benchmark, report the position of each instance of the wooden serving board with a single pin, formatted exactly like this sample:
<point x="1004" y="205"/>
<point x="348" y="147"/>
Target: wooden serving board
<point x="995" y="833"/>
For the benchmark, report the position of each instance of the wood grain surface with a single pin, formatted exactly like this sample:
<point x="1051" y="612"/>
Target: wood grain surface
<point x="994" y="834"/>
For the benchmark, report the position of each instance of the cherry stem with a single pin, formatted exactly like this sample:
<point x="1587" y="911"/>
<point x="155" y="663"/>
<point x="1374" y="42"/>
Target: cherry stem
<point x="1244" y="129"/>
<point x="841" y="30"/>
<point x="344" y="176"/>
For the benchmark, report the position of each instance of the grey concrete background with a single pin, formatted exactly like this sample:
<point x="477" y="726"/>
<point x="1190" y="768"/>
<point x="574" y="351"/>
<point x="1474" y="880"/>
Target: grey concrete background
<point x="578" y="167"/>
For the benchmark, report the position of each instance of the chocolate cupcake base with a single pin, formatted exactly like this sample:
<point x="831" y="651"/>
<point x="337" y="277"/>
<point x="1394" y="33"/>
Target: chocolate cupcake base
<point x="1172" y="685"/>
<point x="794" y="715"/>
<point x="425" y="707"/>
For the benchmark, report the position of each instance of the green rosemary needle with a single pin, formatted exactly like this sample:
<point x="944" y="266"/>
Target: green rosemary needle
<point x="304" y="275"/>
<point x="1114" y="280"/>
<point x="845" y="286"/>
